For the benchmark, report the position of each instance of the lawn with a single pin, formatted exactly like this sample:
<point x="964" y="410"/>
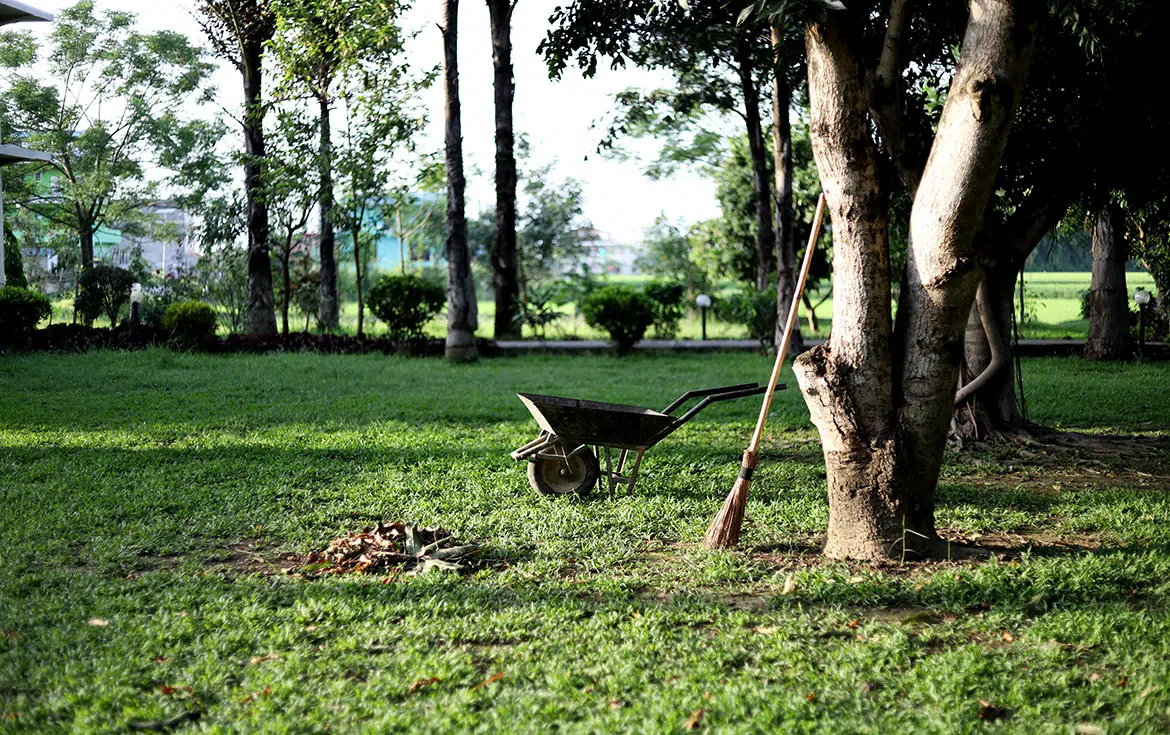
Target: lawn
<point x="148" y="499"/>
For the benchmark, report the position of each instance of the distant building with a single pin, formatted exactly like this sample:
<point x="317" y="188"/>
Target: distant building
<point x="606" y="256"/>
<point x="167" y="245"/>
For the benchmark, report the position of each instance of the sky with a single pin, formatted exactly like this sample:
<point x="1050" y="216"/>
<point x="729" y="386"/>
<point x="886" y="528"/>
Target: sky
<point x="557" y="117"/>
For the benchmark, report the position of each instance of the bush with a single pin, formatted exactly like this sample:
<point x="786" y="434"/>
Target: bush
<point x="753" y="309"/>
<point x="537" y="310"/>
<point x="20" y="311"/>
<point x="103" y="290"/>
<point x="668" y="306"/>
<point x="622" y="311"/>
<point x="190" y="323"/>
<point x="406" y="303"/>
<point x="13" y="261"/>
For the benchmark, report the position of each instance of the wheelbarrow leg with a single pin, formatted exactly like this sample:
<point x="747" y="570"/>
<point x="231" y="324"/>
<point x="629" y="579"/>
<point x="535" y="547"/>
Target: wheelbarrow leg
<point x="634" y="471"/>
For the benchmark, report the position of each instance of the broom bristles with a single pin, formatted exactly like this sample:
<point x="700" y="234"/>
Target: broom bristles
<point x="725" y="528"/>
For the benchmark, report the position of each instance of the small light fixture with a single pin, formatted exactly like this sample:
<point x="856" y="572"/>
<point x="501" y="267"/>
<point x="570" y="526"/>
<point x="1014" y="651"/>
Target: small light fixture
<point x="704" y="302"/>
<point x="136" y="293"/>
<point x="1141" y="297"/>
<point x="135" y="303"/>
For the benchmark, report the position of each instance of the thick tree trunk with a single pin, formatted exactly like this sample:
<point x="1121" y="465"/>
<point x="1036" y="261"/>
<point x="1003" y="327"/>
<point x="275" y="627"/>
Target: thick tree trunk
<point x="261" y="302"/>
<point x="505" y="268"/>
<point x="990" y="407"/>
<point x="765" y="237"/>
<point x="329" y="311"/>
<point x="1108" y="297"/>
<point x="883" y="409"/>
<point x="785" y="238"/>
<point x="462" y="319"/>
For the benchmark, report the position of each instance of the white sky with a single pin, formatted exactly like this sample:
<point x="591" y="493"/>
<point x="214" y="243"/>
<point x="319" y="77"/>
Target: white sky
<point x="557" y="117"/>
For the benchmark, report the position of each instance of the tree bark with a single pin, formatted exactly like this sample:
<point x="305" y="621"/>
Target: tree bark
<point x="1108" y="296"/>
<point x="462" y="319"/>
<point x="329" y="311"/>
<point x="505" y="266"/>
<point x="883" y="406"/>
<point x="86" y="236"/>
<point x="286" y="287"/>
<point x="765" y="237"/>
<point x="782" y="153"/>
<point x="261" y="302"/>
<point x="356" y="234"/>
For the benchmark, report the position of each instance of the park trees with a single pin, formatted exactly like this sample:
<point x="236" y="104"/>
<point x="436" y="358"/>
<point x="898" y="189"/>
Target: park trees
<point x="106" y="100"/>
<point x="292" y="196"/>
<point x="239" y="31"/>
<point x="462" y="319"/>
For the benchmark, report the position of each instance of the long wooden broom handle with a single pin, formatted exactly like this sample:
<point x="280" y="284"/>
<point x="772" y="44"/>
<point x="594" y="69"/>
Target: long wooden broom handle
<point x="793" y="311"/>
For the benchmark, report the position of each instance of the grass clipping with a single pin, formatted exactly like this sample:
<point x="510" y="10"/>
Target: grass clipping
<point x="395" y="546"/>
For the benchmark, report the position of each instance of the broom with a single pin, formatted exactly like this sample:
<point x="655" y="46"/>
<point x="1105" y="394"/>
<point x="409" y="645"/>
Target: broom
<point x="724" y="530"/>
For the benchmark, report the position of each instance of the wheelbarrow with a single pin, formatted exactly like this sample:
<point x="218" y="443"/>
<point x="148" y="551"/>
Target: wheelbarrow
<point x="575" y="433"/>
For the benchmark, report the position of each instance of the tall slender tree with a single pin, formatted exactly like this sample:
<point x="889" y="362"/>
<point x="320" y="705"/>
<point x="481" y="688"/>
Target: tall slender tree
<point x="462" y="319"/>
<point x="1108" y="296"/>
<point x="505" y="266"/>
<point x="239" y="31"/>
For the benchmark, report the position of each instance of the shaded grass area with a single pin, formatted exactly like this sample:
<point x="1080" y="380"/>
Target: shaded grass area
<point x="153" y="491"/>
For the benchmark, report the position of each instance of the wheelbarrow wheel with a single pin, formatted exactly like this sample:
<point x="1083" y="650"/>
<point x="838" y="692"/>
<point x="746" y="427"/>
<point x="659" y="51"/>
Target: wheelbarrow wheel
<point x="557" y="476"/>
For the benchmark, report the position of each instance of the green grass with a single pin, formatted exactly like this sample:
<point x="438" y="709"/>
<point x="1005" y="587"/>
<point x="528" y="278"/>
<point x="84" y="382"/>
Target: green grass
<point x="149" y="490"/>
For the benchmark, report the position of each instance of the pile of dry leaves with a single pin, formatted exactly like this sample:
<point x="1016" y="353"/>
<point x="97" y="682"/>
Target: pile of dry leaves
<point x="393" y="546"/>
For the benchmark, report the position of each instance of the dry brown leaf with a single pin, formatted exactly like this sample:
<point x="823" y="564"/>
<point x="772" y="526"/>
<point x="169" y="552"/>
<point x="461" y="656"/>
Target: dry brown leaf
<point x="1007" y="637"/>
<point x="422" y="683"/>
<point x="852" y="625"/>
<point x="99" y="622"/>
<point x="789" y="585"/>
<point x="1148" y="691"/>
<point x="490" y="680"/>
<point x="261" y="659"/>
<point x="161" y="659"/>
<point x="811" y="697"/>
<point x="765" y="630"/>
<point x="1123" y="683"/>
<point x="1096" y="676"/>
<point x="616" y="704"/>
<point x="694" y="720"/>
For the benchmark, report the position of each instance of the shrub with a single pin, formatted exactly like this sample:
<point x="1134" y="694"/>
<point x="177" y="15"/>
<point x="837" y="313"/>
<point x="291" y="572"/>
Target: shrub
<point x="752" y="308"/>
<point x="406" y="303"/>
<point x="537" y="311"/>
<point x="668" y="306"/>
<point x="103" y="290"/>
<point x="190" y="323"/>
<point x="13" y="261"/>
<point x="20" y="311"/>
<point x="622" y="311"/>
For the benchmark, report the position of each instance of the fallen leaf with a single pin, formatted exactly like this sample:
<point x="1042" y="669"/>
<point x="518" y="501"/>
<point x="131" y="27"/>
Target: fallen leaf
<point x="99" y="622"/>
<point x="789" y="585"/>
<point x="167" y="690"/>
<point x="490" y="680"/>
<point x="810" y="697"/>
<point x="1096" y="676"/>
<point x="764" y="630"/>
<point x="422" y="683"/>
<point x="635" y="615"/>
<point x="615" y="704"/>
<point x="694" y="720"/>
<point x="1123" y="683"/>
<point x="1007" y="637"/>
<point x="1086" y="728"/>
<point x="707" y="695"/>
<point x="851" y="625"/>
<point x="261" y="659"/>
<point x="855" y="580"/>
<point x="1148" y="691"/>
<point x="161" y="659"/>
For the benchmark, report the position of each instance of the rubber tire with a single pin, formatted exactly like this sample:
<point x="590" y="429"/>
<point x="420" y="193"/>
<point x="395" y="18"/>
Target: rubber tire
<point x="584" y="472"/>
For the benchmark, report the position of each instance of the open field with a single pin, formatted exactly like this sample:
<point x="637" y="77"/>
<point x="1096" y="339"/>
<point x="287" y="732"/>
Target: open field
<point x="149" y="499"/>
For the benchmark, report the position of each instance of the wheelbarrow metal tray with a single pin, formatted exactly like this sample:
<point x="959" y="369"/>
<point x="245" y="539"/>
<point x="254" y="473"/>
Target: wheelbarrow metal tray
<point x="594" y="422"/>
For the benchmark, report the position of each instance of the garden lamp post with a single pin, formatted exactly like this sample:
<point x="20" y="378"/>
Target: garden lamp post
<point x="1142" y="298"/>
<point x="704" y="302"/>
<point x="135" y="303"/>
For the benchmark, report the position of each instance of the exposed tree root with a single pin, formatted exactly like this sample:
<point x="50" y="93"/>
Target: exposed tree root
<point x="969" y="432"/>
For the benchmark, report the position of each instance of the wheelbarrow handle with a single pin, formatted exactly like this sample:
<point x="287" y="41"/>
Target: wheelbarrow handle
<point x="711" y="398"/>
<point x="711" y="392"/>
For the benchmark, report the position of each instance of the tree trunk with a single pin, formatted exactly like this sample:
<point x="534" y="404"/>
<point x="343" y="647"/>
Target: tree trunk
<point x="329" y="312"/>
<point x="286" y="287"/>
<point x="358" y="275"/>
<point x="991" y="407"/>
<point x="462" y="319"/>
<point x="261" y="303"/>
<point x="765" y="237"/>
<point x="86" y="236"/>
<point x="883" y="406"/>
<point x="785" y="238"/>
<point x="1108" y="297"/>
<point x="505" y="268"/>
